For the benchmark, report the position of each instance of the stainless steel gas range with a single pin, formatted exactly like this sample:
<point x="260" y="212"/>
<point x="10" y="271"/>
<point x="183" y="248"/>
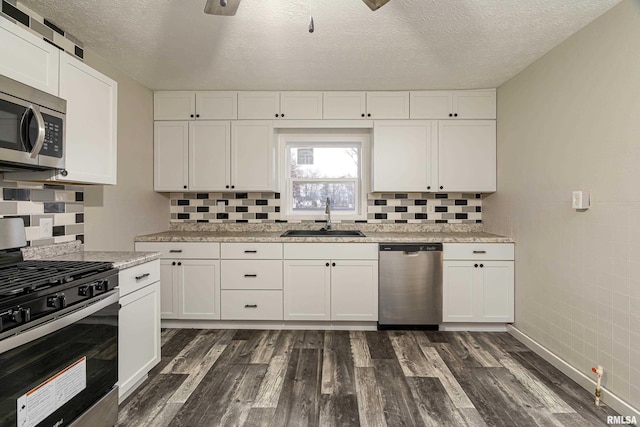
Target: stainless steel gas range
<point x="58" y="338"/>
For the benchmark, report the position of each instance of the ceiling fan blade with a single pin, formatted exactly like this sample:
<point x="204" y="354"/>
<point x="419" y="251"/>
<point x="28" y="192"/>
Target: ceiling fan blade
<point x="215" y="7"/>
<point x="375" y="4"/>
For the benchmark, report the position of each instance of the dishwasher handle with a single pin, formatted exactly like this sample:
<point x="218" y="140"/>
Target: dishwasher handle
<point x="410" y="248"/>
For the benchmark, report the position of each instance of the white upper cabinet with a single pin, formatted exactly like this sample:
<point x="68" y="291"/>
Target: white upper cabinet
<point x="403" y="155"/>
<point x="279" y="105"/>
<point x="345" y="105"/>
<point x="446" y="104"/>
<point x="258" y="105"/>
<point x="91" y="123"/>
<point x="27" y="58"/>
<point x="170" y="156"/>
<point x="189" y="105"/>
<point x="253" y="156"/>
<point x="467" y="155"/>
<point x="369" y="105"/>
<point x="209" y="151"/>
<point x="388" y="105"/>
<point x="301" y="105"/>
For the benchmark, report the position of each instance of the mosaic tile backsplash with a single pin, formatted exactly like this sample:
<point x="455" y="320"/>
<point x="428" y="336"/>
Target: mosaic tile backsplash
<point x="398" y="208"/>
<point x="34" y="201"/>
<point x="41" y="27"/>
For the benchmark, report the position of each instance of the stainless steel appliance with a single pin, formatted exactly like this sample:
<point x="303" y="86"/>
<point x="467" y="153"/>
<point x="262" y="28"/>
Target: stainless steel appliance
<point x="32" y="128"/>
<point x="410" y="280"/>
<point x="58" y="339"/>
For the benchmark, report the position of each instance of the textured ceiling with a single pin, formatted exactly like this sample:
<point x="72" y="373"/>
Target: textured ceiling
<point x="407" y="44"/>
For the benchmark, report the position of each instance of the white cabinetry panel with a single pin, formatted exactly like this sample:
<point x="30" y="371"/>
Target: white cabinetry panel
<point x="209" y="154"/>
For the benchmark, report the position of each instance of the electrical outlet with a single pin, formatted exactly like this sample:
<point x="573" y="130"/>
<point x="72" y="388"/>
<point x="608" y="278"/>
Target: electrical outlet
<point x="46" y="227"/>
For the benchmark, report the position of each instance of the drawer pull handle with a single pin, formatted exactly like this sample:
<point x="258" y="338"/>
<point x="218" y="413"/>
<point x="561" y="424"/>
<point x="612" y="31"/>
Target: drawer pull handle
<point x="479" y="252"/>
<point x="251" y="306"/>
<point x="250" y="275"/>
<point x="142" y="276"/>
<point x="250" y="252"/>
<point x="175" y="251"/>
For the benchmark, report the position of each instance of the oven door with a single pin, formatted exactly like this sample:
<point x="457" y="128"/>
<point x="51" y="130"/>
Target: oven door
<point x="53" y="373"/>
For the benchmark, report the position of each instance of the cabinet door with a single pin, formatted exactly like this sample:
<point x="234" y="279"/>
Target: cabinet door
<point x="27" y="58"/>
<point x="258" y="105"/>
<point x="307" y="290"/>
<point x="199" y="289"/>
<point x="209" y="155"/>
<point x="174" y="105"/>
<point x="170" y="156"/>
<point x="92" y="123"/>
<point x="354" y="290"/>
<point x="402" y="156"/>
<point x="168" y="290"/>
<point x="495" y="296"/>
<point x="475" y="104"/>
<point x="459" y="291"/>
<point x="301" y="105"/>
<point x="344" y="105"/>
<point x="388" y="105"/>
<point x="252" y="156"/>
<point x="467" y="155"/>
<point x="216" y="105"/>
<point x="138" y="336"/>
<point x="431" y="104"/>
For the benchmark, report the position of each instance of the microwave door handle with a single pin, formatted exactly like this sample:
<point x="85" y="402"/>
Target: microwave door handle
<point x="41" y="132"/>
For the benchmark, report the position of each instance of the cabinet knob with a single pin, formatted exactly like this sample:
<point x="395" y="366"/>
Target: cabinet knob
<point x="450" y="115"/>
<point x="327" y="264"/>
<point x="191" y="115"/>
<point x="368" y="114"/>
<point x="233" y="186"/>
<point x="333" y="264"/>
<point x="173" y="263"/>
<point x="197" y="115"/>
<point x="226" y="186"/>
<point x="481" y="265"/>
<point x="184" y="186"/>
<point x="455" y="115"/>
<point x="441" y="187"/>
<point x="282" y="115"/>
<point x="362" y="114"/>
<point x="475" y="265"/>
<point x="179" y="263"/>
<point x="277" y="115"/>
<point x="428" y="187"/>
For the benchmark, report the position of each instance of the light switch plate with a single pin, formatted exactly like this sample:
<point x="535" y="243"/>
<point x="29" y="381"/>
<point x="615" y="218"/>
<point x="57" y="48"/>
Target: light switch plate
<point x="46" y="227"/>
<point x="580" y="200"/>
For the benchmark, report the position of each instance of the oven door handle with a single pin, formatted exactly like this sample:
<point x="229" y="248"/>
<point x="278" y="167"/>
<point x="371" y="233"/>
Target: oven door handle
<point x="57" y="323"/>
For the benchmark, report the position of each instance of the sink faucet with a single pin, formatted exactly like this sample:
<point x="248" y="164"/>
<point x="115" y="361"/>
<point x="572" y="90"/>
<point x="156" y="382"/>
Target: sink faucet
<point x="327" y="210"/>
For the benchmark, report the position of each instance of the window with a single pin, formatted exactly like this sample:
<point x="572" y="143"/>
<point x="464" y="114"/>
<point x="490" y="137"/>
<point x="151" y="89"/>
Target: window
<point x="319" y="166"/>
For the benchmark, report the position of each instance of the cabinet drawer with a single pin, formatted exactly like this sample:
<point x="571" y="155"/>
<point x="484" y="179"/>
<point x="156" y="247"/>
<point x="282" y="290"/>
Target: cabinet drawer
<point x="478" y="251"/>
<point x="181" y="250"/>
<point x="331" y="251"/>
<point x="251" y="250"/>
<point x="251" y="274"/>
<point x="137" y="277"/>
<point x="251" y="305"/>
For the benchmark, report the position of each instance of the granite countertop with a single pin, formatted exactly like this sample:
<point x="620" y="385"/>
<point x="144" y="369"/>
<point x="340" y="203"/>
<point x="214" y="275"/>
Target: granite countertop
<point x="371" y="237"/>
<point x="120" y="260"/>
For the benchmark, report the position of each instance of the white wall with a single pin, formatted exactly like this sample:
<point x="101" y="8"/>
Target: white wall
<point x="571" y="121"/>
<point x="114" y="215"/>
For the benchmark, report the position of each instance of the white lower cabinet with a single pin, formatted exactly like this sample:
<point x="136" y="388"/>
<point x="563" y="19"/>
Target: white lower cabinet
<point x="481" y="289"/>
<point x="332" y="286"/>
<point x="138" y="325"/>
<point x="251" y="304"/>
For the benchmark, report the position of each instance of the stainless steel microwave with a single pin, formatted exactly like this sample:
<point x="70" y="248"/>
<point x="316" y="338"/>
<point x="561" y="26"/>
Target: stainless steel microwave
<point x="32" y="128"/>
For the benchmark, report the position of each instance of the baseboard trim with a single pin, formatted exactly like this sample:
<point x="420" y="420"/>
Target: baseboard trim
<point x="474" y="327"/>
<point x="262" y="325"/>
<point x="619" y="405"/>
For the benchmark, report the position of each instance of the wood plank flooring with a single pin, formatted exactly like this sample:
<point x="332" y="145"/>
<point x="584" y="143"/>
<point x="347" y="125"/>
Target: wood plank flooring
<point x="341" y="378"/>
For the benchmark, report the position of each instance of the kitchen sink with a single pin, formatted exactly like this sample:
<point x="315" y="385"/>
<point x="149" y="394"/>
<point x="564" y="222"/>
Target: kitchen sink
<point x="322" y="233"/>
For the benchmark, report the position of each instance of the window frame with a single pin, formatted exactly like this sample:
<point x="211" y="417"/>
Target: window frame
<point x="321" y="138"/>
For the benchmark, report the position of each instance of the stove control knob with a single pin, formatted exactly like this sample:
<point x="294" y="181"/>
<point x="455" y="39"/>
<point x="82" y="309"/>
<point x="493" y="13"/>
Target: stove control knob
<point x="86" y="291"/>
<point x="26" y="314"/>
<point x="62" y="300"/>
<point x="52" y="302"/>
<point x="21" y="315"/>
<point x="102" y="286"/>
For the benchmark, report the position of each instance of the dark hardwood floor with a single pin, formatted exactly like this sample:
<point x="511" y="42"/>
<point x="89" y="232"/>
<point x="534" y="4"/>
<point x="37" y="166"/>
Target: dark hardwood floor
<point x="341" y="378"/>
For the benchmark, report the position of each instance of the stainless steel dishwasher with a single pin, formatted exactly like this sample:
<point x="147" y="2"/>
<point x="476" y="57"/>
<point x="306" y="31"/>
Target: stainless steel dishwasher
<point x="410" y="281"/>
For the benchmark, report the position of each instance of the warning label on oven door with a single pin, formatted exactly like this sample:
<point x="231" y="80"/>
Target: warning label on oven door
<point x="43" y="400"/>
